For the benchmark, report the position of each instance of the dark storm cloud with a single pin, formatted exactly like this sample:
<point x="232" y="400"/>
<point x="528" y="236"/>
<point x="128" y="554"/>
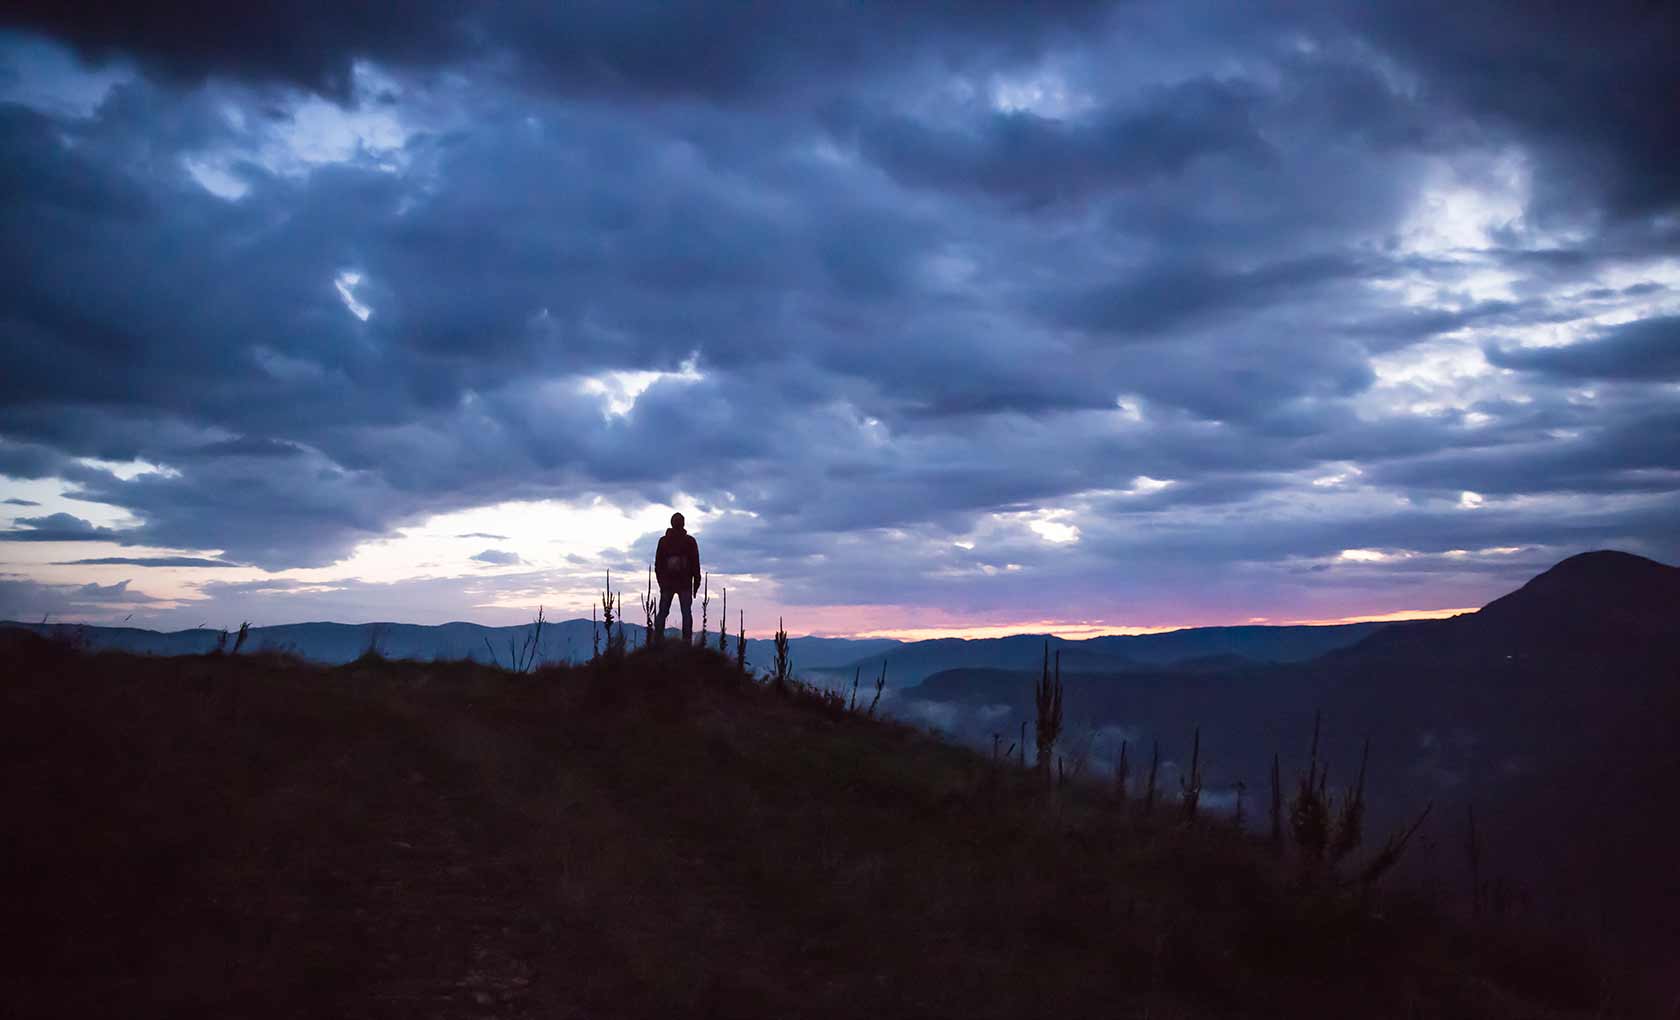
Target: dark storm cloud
<point x="1648" y="349"/>
<point x="1162" y="296"/>
<point x="61" y="528"/>
<point x="1639" y="453"/>
<point x="1038" y="160"/>
<point x="24" y="599"/>
<point x="1592" y="87"/>
<point x="149" y="561"/>
<point x="309" y="45"/>
<point x="688" y="48"/>
<point x="885" y="304"/>
<point x="29" y="460"/>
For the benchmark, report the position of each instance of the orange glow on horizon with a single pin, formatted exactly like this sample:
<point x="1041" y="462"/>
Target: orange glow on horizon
<point x="1078" y="631"/>
<point x="1397" y="616"/>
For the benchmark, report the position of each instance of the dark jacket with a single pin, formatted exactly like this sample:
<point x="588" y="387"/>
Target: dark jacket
<point x="676" y="563"/>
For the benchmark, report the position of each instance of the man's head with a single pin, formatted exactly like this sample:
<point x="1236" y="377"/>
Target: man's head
<point x="677" y="521"/>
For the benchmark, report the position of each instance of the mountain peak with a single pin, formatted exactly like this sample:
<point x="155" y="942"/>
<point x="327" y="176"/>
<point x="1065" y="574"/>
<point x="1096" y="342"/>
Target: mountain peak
<point x="1609" y="564"/>
<point x="1605" y="591"/>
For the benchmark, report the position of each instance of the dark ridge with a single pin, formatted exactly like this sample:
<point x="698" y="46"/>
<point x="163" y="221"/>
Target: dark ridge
<point x="257" y="836"/>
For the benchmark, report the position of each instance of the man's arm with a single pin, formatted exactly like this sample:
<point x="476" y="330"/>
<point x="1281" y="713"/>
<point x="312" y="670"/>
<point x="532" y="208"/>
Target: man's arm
<point x="694" y="547"/>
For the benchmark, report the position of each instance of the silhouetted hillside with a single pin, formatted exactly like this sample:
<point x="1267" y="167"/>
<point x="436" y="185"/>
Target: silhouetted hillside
<point x="253" y="836"/>
<point x="1602" y="602"/>
<point x="561" y="641"/>
<point x="1551" y="713"/>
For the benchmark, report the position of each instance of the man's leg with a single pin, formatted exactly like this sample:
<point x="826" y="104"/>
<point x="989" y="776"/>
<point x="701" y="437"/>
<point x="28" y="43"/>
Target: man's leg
<point x="685" y="599"/>
<point x="664" y="611"/>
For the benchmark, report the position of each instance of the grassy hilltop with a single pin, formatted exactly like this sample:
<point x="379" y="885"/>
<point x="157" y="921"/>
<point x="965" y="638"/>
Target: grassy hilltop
<point x="254" y="836"/>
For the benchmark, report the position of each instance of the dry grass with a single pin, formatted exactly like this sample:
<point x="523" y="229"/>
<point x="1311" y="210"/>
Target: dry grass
<point x="657" y="836"/>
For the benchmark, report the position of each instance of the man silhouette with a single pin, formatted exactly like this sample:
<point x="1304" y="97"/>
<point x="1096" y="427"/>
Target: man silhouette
<point x="676" y="563"/>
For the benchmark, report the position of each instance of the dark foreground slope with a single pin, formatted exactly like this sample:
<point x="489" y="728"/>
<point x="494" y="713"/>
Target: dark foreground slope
<point x="254" y="837"/>
<point x="1549" y="716"/>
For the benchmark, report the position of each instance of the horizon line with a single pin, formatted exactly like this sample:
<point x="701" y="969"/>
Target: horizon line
<point x="980" y="632"/>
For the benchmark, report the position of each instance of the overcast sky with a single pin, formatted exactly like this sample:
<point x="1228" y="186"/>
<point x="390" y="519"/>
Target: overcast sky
<point x="929" y="316"/>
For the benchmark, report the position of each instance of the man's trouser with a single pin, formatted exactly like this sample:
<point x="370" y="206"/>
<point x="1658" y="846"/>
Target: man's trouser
<point x="685" y="600"/>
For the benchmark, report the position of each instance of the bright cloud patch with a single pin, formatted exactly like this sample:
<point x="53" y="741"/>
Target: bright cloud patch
<point x="618" y="391"/>
<point x="345" y="284"/>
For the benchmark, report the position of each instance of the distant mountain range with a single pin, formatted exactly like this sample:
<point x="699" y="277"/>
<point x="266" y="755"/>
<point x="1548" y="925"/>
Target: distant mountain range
<point x="908" y="663"/>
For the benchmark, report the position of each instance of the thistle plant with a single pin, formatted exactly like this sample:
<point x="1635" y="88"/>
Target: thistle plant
<point x="650" y="605"/>
<point x="617" y="643"/>
<point x="705" y="600"/>
<point x="1389" y="855"/>
<point x="881" y="685"/>
<point x="244" y="632"/>
<point x="857" y="675"/>
<point x="1047" y="693"/>
<point x="611" y="604"/>
<point x="1309" y="815"/>
<point x="723" y="626"/>
<point x="784" y="661"/>
<point x="741" y="644"/>
<point x="1190" y="784"/>
<point x="525" y="658"/>
<point x="1350" y="822"/>
<point x="1120" y="776"/>
<point x="1154" y="770"/>
<point x="594" y="636"/>
<point x="1277" y="807"/>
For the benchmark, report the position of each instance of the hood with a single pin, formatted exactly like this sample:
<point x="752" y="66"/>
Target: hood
<point x="672" y="532"/>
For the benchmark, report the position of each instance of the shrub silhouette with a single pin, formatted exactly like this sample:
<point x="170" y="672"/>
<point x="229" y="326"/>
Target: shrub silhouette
<point x="741" y="644"/>
<point x="1047" y="694"/>
<point x="1309" y="816"/>
<point x="650" y="605"/>
<point x="782" y="669"/>
<point x="723" y="627"/>
<point x="1154" y="770"/>
<point x="1191" y="783"/>
<point x="1350" y="822"/>
<point x="1121" y="769"/>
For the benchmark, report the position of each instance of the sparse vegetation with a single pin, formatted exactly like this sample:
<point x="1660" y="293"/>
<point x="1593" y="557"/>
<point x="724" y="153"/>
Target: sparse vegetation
<point x="1154" y="771"/>
<point x="723" y="626"/>
<point x="612" y="609"/>
<point x="650" y="606"/>
<point x="705" y="601"/>
<point x="1121" y="777"/>
<point x="1047" y="696"/>
<point x="1277" y="808"/>
<point x="1309" y="816"/>
<point x="454" y="839"/>
<point x="1190" y="784"/>
<point x="1349" y="830"/>
<point x="782" y="669"/>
